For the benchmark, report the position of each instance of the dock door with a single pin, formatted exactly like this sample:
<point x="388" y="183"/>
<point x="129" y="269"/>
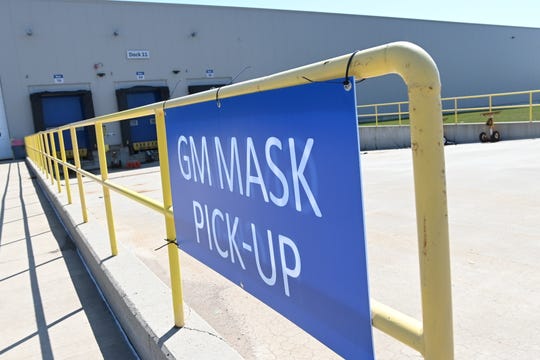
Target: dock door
<point x="57" y="108"/>
<point x="140" y="133"/>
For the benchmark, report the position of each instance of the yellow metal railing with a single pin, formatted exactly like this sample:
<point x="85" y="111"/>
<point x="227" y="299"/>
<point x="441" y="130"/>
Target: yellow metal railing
<point x="400" y="110"/>
<point x="433" y="336"/>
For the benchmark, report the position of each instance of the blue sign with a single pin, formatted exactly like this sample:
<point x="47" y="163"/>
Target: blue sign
<point x="267" y="191"/>
<point x="58" y="78"/>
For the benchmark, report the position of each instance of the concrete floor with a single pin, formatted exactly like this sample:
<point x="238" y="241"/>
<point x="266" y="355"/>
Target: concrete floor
<point x="494" y="221"/>
<point x="49" y="306"/>
<point x="494" y="203"/>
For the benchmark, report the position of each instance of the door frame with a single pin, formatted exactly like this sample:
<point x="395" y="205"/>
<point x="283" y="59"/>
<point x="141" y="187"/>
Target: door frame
<point x="5" y="139"/>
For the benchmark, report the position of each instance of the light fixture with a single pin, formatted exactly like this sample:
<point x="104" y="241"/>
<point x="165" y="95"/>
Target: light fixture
<point x="175" y="71"/>
<point x="116" y="32"/>
<point x="29" y="32"/>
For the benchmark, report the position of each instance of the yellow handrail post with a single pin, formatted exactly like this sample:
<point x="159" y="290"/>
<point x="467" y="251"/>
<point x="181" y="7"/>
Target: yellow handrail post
<point x="54" y="154"/>
<point x="77" y="159"/>
<point x="44" y="157"/>
<point x="37" y="156"/>
<point x="174" y="261"/>
<point x="106" y="192"/>
<point x="40" y="152"/>
<point x="399" y="112"/>
<point x="376" y="116"/>
<point x="420" y="73"/>
<point x="64" y="167"/>
<point x="48" y="154"/>
<point x="37" y="151"/>
<point x="490" y="103"/>
<point x="45" y="168"/>
<point x="455" y="110"/>
<point x="29" y="148"/>
<point x="431" y="207"/>
<point x="28" y="144"/>
<point x="530" y="106"/>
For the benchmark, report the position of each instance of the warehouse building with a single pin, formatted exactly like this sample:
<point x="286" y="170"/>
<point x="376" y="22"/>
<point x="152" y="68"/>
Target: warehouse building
<point x="66" y="60"/>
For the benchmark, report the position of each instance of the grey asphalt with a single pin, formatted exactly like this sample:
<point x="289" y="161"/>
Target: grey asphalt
<point x="49" y="306"/>
<point x="494" y="216"/>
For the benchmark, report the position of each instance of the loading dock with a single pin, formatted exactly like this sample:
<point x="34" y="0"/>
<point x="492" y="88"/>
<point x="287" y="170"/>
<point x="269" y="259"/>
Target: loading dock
<point x="56" y="108"/>
<point x="140" y="133"/>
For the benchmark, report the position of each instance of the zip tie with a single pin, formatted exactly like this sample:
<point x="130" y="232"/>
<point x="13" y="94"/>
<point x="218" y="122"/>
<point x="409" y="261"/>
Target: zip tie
<point x="347" y="84"/>
<point x="168" y="242"/>
<point x="218" y="101"/>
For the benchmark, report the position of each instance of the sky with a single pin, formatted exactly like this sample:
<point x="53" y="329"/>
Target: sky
<point x="496" y="12"/>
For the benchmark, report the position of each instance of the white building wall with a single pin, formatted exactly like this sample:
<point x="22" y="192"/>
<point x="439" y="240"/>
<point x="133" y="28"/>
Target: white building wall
<point x="71" y="37"/>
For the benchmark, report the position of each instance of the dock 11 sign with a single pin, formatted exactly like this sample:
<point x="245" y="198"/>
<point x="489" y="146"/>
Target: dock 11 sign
<point x="267" y="192"/>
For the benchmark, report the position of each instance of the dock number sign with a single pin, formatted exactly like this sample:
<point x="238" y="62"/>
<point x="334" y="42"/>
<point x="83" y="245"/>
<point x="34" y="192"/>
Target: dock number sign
<point x="267" y="192"/>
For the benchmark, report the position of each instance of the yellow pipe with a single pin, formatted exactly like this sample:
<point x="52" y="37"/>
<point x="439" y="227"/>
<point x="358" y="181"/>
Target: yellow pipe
<point x="36" y="143"/>
<point x="455" y="107"/>
<point x="106" y="193"/>
<point x="174" y="260"/>
<point x="400" y="326"/>
<point x="64" y="161"/>
<point x="530" y="106"/>
<point x="47" y="154"/>
<point x="54" y="160"/>
<point x="39" y="140"/>
<point x="77" y="159"/>
<point x="130" y="194"/>
<point x="455" y="110"/>
<point x="29" y="148"/>
<point x="43" y="153"/>
<point x="420" y="74"/>
<point x="431" y="205"/>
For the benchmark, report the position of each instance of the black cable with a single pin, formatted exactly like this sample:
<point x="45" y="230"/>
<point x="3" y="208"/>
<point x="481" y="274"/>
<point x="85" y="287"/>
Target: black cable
<point x="218" y="102"/>
<point x="167" y="243"/>
<point x="346" y="83"/>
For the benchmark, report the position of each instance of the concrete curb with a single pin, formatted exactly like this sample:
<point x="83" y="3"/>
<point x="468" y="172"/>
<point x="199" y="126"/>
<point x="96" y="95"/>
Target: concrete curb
<point x="138" y="298"/>
<point x="397" y="137"/>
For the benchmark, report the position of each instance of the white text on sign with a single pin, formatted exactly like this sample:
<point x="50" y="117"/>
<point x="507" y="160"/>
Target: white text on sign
<point x="239" y="169"/>
<point x="207" y="221"/>
<point x="196" y="158"/>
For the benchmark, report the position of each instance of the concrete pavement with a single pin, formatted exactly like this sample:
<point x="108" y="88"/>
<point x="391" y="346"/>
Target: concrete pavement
<point x="493" y="198"/>
<point x="49" y="306"/>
